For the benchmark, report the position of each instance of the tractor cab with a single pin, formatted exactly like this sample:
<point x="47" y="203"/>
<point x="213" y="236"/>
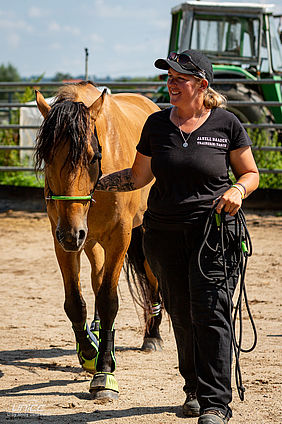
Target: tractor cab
<point x="242" y="40"/>
<point x="241" y="34"/>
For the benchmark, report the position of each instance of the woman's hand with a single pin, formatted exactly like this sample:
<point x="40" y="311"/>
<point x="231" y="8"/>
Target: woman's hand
<point x="230" y="201"/>
<point x="245" y="170"/>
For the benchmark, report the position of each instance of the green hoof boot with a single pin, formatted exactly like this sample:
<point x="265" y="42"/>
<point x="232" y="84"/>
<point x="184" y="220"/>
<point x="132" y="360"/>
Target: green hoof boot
<point x="94" y="328"/>
<point x="104" y="386"/>
<point x="88" y="365"/>
<point x="90" y="343"/>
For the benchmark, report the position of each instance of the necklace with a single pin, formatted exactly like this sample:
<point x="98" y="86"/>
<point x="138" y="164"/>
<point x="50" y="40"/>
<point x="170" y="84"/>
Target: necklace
<point x="185" y="144"/>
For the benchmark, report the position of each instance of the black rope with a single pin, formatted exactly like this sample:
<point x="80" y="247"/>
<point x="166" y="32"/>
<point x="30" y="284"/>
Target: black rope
<point x="98" y="156"/>
<point x="243" y="253"/>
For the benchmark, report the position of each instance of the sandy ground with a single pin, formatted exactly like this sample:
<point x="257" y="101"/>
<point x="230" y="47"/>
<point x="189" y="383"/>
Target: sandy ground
<point x="41" y="380"/>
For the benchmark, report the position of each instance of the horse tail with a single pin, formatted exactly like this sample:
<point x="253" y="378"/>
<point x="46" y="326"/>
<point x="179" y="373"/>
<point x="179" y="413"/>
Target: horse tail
<point x="142" y="290"/>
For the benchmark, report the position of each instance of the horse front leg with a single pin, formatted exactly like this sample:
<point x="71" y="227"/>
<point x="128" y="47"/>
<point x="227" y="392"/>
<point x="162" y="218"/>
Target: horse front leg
<point x="96" y="256"/>
<point x="95" y="324"/>
<point x="104" y="385"/>
<point x="75" y="308"/>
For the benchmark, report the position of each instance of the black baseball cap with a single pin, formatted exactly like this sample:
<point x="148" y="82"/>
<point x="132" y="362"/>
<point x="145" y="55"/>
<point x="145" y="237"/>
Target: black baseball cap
<point x="190" y="62"/>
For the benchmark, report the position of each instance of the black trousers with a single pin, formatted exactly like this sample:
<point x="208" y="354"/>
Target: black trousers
<point x="198" y="306"/>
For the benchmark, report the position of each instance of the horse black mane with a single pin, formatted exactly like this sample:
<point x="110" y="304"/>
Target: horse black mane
<point x="67" y="120"/>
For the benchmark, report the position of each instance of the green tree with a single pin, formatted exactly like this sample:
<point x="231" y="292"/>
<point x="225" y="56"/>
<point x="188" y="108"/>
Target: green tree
<point x="9" y="73"/>
<point x="60" y="76"/>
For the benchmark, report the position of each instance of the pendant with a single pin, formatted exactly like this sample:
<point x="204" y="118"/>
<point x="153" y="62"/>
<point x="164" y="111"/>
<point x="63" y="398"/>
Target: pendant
<point x="185" y="144"/>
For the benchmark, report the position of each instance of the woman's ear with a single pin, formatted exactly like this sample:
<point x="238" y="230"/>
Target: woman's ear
<point x="204" y="84"/>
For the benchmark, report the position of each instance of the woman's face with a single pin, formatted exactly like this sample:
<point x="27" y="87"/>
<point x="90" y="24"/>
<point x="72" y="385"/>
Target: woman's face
<point x="182" y="88"/>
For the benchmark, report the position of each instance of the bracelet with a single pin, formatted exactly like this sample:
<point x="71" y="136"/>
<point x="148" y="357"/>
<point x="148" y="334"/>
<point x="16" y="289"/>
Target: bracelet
<point x="244" y="188"/>
<point x="240" y="189"/>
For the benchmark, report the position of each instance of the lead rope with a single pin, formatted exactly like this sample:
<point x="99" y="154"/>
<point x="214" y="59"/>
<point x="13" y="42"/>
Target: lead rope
<point x="244" y="252"/>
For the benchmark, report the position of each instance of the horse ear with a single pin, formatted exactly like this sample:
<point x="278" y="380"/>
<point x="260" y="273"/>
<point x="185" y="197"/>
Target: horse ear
<point x="42" y="104"/>
<point x="95" y="108"/>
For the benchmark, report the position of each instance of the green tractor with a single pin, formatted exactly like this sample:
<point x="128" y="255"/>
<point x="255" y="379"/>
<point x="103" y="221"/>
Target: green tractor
<point x="243" y="42"/>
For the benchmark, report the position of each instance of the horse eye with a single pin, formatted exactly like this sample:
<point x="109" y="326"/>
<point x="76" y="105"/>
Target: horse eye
<point x="96" y="156"/>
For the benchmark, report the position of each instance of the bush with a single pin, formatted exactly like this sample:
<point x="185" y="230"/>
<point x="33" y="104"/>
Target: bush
<point x="267" y="159"/>
<point x="12" y="157"/>
<point x="25" y="179"/>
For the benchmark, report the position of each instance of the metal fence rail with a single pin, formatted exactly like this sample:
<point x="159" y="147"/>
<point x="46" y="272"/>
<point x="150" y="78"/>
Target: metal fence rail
<point x="143" y="87"/>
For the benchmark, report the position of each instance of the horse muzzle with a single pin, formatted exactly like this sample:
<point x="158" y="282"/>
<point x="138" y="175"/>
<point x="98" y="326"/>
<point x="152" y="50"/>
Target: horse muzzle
<point x="71" y="240"/>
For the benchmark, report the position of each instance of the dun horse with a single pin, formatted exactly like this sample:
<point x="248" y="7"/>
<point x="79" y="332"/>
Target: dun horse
<point x="80" y="125"/>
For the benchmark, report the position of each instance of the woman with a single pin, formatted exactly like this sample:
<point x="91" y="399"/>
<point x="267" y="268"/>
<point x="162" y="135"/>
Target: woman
<point x="188" y="149"/>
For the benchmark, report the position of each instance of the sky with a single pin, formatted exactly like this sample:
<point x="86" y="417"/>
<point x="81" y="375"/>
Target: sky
<point x="123" y="38"/>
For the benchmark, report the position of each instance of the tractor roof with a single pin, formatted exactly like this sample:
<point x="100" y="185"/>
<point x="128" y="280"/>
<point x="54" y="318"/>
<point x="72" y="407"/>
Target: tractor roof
<point x="211" y="7"/>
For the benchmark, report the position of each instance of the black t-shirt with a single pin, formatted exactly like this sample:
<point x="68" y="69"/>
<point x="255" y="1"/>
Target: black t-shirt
<point x="188" y="179"/>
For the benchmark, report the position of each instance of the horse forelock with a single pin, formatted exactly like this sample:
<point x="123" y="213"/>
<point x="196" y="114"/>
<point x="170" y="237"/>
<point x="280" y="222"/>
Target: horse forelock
<point x="66" y="122"/>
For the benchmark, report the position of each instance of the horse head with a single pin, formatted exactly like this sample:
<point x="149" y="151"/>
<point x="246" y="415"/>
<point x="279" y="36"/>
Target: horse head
<point x="68" y="149"/>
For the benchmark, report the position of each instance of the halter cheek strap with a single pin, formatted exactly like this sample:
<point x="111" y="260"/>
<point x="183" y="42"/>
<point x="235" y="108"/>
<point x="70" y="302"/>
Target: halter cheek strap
<point x="98" y="156"/>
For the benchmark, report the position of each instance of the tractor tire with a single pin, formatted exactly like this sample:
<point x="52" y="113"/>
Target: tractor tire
<point x="252" y="114"/>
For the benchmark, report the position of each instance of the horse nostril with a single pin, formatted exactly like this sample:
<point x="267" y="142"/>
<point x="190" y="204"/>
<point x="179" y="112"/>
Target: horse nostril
<point x="81" y="235"/>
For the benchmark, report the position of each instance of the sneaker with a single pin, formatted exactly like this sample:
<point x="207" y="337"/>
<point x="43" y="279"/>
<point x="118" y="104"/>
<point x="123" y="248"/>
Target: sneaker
<point x="213" y="417"/>
<point x="191" y="407"/>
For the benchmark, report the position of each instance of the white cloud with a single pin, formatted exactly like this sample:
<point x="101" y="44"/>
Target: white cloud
<point x="96" y="39"/>
<point x="13" y="40"/>
<point x="104" y="11"/>
<point x="36" y="12"/>
<point x="55" y="46"/>
<point x="123" y="11"/>
<point x="15" y="25"/>
<point x="55" y="27"/>
<point x="163" y="24"/>
<point x="71" y="30"/>
<point x="120" y="48"/>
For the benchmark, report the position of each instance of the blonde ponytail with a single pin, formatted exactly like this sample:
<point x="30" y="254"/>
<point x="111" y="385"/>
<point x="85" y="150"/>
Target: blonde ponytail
<point x="213" y="99"/>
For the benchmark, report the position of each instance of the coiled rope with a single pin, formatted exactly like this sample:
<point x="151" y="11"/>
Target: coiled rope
<point x="244" y="252"/>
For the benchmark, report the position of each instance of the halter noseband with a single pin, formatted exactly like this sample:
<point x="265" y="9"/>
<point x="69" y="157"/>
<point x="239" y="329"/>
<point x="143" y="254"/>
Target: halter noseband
<point x="98" y="156"/>
<point x="89" y="197"/>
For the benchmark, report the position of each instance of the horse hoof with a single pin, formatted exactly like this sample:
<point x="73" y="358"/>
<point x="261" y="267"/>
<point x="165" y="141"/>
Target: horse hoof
<point x="104" y="387"/>
<point x="151" y="344"/>
<point x="104" y="396"/>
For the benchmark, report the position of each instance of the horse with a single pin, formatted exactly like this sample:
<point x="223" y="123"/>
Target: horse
<point x="84" y="133"/>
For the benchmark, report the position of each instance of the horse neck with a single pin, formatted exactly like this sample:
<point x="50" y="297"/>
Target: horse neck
<point x="118" y="149"/>
<point x="87" y="94"/>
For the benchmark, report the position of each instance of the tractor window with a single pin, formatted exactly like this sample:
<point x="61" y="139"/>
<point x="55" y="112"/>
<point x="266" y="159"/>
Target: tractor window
<point x="276" y="50"/>
<point x="264" y="67"/>
<point x="176" y="28"/>
<point x="225" y="36"/>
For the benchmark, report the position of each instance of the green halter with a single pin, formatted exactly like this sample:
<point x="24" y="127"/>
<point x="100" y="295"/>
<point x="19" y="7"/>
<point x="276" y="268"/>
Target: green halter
<point x="98" y="156"/>
<point x="89" y="197"/>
